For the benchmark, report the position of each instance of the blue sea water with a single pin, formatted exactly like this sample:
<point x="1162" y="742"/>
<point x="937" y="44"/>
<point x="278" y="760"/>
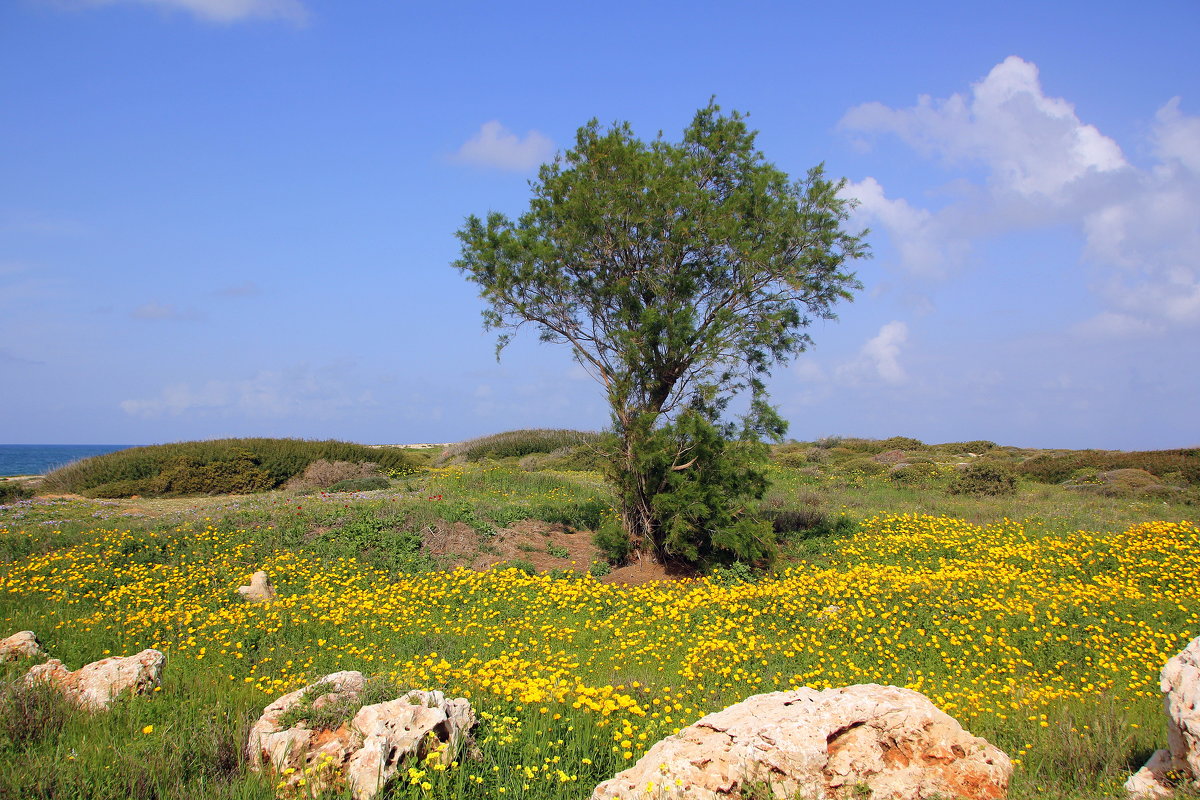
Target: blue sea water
<point x="38" y="459"/>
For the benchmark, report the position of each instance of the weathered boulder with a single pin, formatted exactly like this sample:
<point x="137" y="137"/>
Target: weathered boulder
<point x="23" y="644"/>
<point x="94" y="686"/>
<point x="365" y="746"/>
<point x="260" y="589"/>
<point x="820" y="744"/>
<point x="1167" y="769"/>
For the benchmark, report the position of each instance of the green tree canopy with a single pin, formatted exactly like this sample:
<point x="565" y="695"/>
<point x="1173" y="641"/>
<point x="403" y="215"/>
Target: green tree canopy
<point x="679" y="273"/>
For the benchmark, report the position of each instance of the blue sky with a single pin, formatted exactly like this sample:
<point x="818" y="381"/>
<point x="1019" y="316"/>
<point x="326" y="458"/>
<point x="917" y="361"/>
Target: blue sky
<point x="237" y="217"/>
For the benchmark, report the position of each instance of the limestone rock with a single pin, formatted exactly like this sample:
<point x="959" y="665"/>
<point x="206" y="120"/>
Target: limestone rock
<point x="260" y="589"/>
<point x="1180" y="681"/>
<point x="23" y="644"/>
<point x="363" y="752"/>
<point x="94" y="686"/>
<point x="820" y="744"/>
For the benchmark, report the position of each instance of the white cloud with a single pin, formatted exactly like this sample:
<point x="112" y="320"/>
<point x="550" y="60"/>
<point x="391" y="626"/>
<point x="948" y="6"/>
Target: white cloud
<point x="226" y="11"/>
<point x="496" y="146"/>
<point x="1033" y="144"/>
<point x="879" y="358"/>
<point x="1140" y="228"/>
<point x="164" y="311"/>
<point x="924" y="244"/>
<point x="297" y="391"/>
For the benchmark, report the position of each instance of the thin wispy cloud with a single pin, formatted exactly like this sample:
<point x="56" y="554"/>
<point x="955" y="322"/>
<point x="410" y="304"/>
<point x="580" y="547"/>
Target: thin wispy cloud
<point x="243" y="289"/>
<point x="497" y="147"/>
<point x="299" y="391"/>
<point x="165" y="311"/>
<point x="222" y="11"/>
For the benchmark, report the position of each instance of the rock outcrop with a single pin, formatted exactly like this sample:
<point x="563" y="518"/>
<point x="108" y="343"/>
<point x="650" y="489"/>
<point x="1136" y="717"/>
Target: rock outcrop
<point x="820" y="744"/>
<point x="96" y="685"/>
<point x="260" y="589"/>
<point x="22" y="644"/>
<point x="365" y="747"/>
<point x="1168" y="769"/>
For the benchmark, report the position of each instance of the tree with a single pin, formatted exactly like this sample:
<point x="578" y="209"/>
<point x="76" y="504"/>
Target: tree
<point x="679" y="274"/>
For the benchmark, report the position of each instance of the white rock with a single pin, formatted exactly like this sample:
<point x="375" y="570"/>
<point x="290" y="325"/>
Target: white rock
<point x="260" y="589"/>
<point x="820" y="744"/>
<point x="1180" y="682"/>
<point x="23" y="644"/>
<point x="94" y="686"/>
<point x="365" y="752"/>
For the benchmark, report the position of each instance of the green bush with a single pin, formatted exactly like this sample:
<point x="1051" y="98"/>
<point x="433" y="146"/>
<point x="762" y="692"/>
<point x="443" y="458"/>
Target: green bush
<point x="612" y="540"/>
<point x="864" y="466"/>
<point x="217" y="466"/>
<point x="361" y="484"/>
<point x="575" y="458"/>
<point x="514" y="444"/>
<point x="985" y="478"/>
<point x="915" y="474"/>
<point x="902" y="443"/>
<point x="14" y="490"/>
<point x="1059" y="467"/>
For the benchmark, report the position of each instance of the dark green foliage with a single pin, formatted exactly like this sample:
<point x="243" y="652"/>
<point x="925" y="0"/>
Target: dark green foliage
<point x="984" y="478"/>
<point x="385" y="542"/>
<point x="1059" y="467"/>
<point x="701" y="486"/>
<point x="207" y="467"/>
<point x="514" y="444"/>
<point x="612" y="540"/>
<point x="679" y="273"/>
<point x="14" y="490"/>
<point x="736" y="573"/>
<point x="361" y="484"/>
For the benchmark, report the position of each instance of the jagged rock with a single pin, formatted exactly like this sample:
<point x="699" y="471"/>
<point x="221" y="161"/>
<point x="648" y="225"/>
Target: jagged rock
<point x="23" y="644"/>
<point x="820" y="744"/>
<point x="364" y="751"/>
<point x="260" y="589"/>
<point x="94" y="686"/>
<point x="1168" y="769"/>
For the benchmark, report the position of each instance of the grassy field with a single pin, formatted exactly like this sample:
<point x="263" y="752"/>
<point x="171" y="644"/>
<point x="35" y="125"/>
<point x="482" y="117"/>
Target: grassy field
<point x="1039" y="619"/>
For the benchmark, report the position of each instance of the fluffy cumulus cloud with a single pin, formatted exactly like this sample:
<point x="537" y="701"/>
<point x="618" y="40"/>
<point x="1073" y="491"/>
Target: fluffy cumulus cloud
<point x="225" y="11"/>
<point x="299" y="391"/>
<point x="496" y="146"/>
<point x="1044" y="166"/>
<point x="879" y="358"/>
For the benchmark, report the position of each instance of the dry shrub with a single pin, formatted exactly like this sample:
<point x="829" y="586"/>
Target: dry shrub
<point x="322" y="474"/>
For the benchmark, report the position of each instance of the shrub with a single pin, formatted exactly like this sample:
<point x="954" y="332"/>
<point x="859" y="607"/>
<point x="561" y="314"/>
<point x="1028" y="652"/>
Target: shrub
<point x="612" y="540"/>
<point x="902" y="443"/>
<point x="361" y="484"/>
<point x="1059" y="467"/>
<point x="810" y="523"/>
<point x="915" y="474"/>
<point x="864" y="466"/>
<point x="322" y="474"/>
<point x="985" y="478"/>
<point x="210" y="466"/>
<point x="598" y="569"/>
<point x="514" y="444"/>
<point x="14" y="490"/>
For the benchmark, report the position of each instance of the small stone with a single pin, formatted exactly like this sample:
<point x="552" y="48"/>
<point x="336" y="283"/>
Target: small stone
<point x="259" y="590"/>
<point x="23" y="644"/>
<point x="94" y="686"/>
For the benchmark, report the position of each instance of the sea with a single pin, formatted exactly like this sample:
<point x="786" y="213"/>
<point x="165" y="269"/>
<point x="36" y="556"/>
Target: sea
<point x="38" y="459"/>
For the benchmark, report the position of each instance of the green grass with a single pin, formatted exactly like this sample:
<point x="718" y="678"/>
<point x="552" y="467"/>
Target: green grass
<point x="515" y="444"/>
<point x="162" y="573"/>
